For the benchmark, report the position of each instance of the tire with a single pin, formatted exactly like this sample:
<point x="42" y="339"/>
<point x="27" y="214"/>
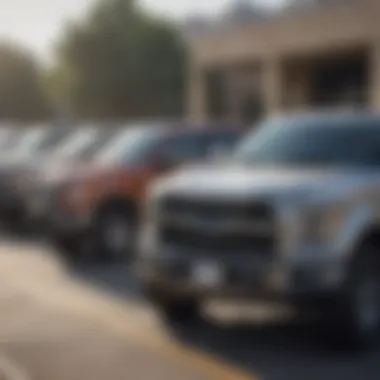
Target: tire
<point x="114" y="234"/>
<point x="353" y="318"/>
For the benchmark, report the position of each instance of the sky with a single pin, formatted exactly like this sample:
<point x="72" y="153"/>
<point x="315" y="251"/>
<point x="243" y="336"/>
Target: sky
<point x="37" y="23"/>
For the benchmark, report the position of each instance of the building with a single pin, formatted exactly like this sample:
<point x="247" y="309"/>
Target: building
<point x="325" y="54"/>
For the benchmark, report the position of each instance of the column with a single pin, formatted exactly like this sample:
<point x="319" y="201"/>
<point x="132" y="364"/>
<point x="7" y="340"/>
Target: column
<point x="374" y="74"/>
<point x="272" y="86"/>
<point x="297" y="83"/>
<point x="197" y="97"/>
<point x="232" y="96"/>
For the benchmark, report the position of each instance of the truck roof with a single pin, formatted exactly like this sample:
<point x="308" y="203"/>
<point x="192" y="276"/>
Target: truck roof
<point x="344" y="118"/>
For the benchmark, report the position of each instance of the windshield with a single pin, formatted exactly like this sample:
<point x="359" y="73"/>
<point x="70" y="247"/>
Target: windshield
<point x="51" y="140"/>
<point x="30" y="142"/>
<point x="308" y="142"/>
<point x="131" y="146"/>
<point x="77" y="142"/>
<point x="225" y="141"/>
<point x="91" y="150"/>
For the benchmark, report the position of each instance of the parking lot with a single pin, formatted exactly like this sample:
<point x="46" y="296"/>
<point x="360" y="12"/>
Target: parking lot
<point x="94" y="324"/>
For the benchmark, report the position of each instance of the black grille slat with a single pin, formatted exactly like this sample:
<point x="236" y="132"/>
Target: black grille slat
<point x="215" y="243"/>
<point x="210" y="208"/>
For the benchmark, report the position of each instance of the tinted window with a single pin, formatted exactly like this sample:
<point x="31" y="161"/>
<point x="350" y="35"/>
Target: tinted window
<point x="226" y="139"/>
<point x="308" y="142"/>
<point x="132" y="146"/>
<point x="77" y="142"/>
<point x="185" y="147"/>
<point x="53" y="139"/>
<point x="103" y="138"/>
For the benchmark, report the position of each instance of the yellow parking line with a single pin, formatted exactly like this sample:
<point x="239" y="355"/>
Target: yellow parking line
<point x="113" y="314"/>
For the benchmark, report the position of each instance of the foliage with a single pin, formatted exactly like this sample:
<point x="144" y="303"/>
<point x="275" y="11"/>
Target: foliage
<point x="21" y="95"/>
<point x="120" y="63"/>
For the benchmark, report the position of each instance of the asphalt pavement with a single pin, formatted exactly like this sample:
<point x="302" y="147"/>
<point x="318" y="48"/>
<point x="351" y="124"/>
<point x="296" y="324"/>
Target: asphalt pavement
<point x="94" y="324"/>
<point x="273" y="349"/>
<point x="56" y="326"/>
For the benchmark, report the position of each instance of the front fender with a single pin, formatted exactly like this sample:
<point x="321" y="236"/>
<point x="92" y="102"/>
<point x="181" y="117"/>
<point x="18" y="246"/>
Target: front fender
<point x="358" y="221"/>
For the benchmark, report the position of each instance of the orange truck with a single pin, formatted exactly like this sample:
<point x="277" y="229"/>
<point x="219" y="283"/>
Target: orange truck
<point x="95" y="208"/>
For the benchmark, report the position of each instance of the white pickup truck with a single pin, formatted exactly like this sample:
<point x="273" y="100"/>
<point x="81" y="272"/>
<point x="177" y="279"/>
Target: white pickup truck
<point x="294" y="216"/>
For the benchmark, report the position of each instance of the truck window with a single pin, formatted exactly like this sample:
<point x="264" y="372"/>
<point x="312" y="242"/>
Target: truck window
<point x="131" y="146"/>
<point x="225" y="139"/>
<point x="317" y="143"/>
<point x="185" y="147"/>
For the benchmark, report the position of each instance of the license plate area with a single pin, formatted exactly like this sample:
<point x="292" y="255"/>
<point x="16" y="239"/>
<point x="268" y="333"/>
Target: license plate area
<point x="207" y="274"/>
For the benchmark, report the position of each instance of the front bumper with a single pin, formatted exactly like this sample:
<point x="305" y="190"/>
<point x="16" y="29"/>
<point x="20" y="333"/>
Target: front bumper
<point x="11" y="206"/>
<point x="239" y="276"/>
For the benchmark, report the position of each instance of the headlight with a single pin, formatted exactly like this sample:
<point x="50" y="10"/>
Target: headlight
<point x="320" y="226"/>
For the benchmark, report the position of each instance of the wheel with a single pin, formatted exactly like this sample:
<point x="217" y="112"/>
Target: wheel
<point x="115" y="234"/>
<point x="354" y="317"/>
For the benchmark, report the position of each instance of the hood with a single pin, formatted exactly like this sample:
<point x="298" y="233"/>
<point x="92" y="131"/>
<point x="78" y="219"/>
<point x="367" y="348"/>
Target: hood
<point x="39" y="173"/>
<point x="245" y="182"/>
<point x="56" y="173"/>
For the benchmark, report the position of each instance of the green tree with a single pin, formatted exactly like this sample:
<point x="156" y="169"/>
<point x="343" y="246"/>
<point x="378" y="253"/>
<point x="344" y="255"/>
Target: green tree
<point x="120" y="63"/>
<point x="21" y="94"/>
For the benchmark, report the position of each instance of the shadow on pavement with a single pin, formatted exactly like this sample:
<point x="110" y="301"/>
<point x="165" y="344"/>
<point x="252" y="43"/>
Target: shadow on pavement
<point x="117" y="279"/>
<point x="278" y="351"/>
<point x="282" y="351"/>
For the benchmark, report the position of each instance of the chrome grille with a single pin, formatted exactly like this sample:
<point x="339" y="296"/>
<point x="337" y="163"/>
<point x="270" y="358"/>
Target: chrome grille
<point x="217" y="226"/>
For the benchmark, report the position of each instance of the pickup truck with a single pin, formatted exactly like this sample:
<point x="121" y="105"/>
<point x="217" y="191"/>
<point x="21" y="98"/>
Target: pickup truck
<point x="293" y="217"/>
<point x="21" y="154"/>
<point x="50" y="162"/>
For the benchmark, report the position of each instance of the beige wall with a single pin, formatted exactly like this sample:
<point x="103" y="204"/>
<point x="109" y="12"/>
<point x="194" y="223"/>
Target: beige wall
<point x="305" y="33"/>
<point x="272" y="43"/>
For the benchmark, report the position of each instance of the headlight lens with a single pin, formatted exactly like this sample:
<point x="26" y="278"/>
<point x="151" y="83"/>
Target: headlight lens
<point x="320" y="226"/>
